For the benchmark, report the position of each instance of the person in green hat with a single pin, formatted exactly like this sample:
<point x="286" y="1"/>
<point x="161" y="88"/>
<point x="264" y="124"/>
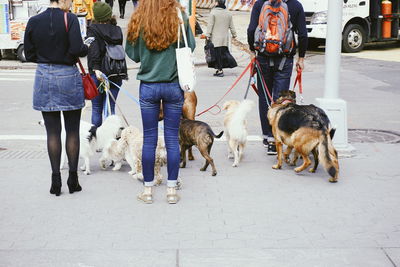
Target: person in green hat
<point x="105" y="30"/>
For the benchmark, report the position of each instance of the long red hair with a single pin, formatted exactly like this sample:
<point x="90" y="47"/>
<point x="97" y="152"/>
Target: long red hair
<point x="157" y="21"/>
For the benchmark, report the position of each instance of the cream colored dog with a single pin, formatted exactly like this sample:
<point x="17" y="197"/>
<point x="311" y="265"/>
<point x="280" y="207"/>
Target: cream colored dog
<point x="235" y="127"/>
<point x="129" y="147"/>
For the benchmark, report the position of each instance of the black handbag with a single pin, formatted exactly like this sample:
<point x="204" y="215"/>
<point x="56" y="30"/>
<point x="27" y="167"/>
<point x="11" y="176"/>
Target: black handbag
<point x="210" y="53"/>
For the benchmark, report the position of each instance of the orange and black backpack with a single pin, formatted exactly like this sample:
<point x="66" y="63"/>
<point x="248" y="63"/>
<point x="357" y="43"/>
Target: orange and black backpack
<point x="274" y="35"/>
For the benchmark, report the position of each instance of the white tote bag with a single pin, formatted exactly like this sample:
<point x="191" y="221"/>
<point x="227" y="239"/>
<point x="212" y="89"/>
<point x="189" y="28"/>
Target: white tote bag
<point x="185" y="61"/>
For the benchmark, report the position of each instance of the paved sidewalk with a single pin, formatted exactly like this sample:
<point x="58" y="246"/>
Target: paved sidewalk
<point x="246" y="216"/>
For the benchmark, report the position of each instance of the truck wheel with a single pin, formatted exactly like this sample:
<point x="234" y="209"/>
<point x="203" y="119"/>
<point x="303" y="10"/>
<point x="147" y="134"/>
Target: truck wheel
<point x="313" y="44"/>
<point x="21" y="53"/>
<point x="354" y="38"/>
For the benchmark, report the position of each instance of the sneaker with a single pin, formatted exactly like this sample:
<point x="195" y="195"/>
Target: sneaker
<point x="271" y="149"/>
<point x="265" y="143"/>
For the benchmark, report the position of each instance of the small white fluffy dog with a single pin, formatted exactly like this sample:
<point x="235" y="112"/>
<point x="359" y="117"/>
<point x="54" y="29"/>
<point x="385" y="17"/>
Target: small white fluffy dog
<point x="129" y="147"/>
<point x="235" y="127"/>
<point x="91" y="138"/>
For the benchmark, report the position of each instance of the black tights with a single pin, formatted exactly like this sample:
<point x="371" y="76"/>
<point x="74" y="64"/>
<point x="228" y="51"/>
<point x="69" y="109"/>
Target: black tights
<point x="52" y="121"/>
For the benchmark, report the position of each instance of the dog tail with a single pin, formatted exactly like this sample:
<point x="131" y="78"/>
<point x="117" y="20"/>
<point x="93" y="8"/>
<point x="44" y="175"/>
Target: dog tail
<point x="328" y="156"/>
<point x="242" y="110"/>
<point x="217" y="136"/>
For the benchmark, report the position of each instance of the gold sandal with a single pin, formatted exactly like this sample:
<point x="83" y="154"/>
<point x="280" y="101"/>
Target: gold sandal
<point x="173" y="198"/>
<point x="146" y="198"/>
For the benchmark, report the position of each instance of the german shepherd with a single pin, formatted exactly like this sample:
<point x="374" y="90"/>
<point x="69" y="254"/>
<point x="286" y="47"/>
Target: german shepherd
<point x="306" y="128"/>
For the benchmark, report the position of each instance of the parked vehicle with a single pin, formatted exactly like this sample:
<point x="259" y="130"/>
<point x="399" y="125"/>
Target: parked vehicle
<point x="362" y="22"/>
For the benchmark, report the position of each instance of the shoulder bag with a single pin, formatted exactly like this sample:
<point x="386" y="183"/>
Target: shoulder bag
<point x="89" y="86"/>
<point x="184" y="60"/>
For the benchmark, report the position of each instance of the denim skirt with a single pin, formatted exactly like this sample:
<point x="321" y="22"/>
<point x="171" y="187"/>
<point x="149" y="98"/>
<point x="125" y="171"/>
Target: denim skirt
<point x="57" y="88"/>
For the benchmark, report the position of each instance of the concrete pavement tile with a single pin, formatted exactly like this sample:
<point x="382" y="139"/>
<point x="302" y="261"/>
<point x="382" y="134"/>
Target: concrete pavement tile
<point x="394" y="254"/>
<point x="284" y="257"/>
<point x="88" y="258"/>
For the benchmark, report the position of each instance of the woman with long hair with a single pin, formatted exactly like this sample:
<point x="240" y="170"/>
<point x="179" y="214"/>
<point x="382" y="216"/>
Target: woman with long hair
<point x="53" y="40"/>
<point x="152" y="40"/>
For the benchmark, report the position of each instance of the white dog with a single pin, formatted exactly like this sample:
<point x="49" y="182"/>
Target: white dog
<point x="235" y="127"/>
<point x="129" y="147"/>
<point x="91" y="138"/>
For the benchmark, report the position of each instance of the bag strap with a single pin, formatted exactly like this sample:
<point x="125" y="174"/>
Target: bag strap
<point x="181" y="27"/>
<point x="66" y="28"/>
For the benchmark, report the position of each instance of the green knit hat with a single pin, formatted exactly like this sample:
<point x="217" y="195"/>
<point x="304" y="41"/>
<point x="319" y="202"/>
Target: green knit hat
<point x="102" y="11"/>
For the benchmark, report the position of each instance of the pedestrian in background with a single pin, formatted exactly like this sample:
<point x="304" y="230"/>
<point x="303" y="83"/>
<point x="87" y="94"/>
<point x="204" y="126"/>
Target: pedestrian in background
<point x="219" y="23"/>
<point x="121" y="4"/>
<point x="135" y="3"/>
<point x="58" y="83"/>
<point x="110" y="2"/>
<point x="152" y="40"/>
<point x="83" y="7"/>
<point x="277" y="77"/>
<point x="104" y="29"/>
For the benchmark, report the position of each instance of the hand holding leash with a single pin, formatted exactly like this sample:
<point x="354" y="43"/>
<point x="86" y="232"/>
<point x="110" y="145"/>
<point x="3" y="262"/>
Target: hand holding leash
<point x="99" y="75"/>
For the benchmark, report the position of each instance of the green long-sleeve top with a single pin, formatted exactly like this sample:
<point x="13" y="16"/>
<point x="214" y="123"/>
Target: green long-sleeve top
<point x="158" y="66"/>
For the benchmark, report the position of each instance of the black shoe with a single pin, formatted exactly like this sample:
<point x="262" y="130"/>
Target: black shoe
<point x="265" y="143"/>
<point x="271" y="149"/>
<point x="55" y="188"/>
<point x="73" y="183"/>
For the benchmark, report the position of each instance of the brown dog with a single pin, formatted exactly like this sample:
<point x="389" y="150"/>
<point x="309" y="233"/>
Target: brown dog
<point x="199" y="134"/>
<point x="188" y="112"/>
<point x="306" y="128"/>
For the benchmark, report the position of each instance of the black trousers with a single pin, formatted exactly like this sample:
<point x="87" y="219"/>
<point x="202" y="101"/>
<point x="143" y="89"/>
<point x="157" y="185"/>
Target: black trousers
<point x="110" y="2"/>
<point x="122" y="4"/>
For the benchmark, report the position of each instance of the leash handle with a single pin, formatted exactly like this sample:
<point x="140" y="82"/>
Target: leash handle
<point x="298" y="79"/>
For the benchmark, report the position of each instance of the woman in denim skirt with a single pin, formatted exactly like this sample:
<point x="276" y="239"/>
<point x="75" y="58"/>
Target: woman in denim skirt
<point x="53" y="40"/>
<point x="152" y="40"/>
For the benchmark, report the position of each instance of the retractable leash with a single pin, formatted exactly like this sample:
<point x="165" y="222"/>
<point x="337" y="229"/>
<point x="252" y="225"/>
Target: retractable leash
<point x="264" y="86"/>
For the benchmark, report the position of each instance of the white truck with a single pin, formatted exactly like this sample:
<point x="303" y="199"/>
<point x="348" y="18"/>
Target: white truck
<point x="362" y="22"/>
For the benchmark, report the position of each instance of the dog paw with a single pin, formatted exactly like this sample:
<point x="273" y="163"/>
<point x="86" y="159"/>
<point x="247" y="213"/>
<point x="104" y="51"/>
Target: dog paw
<point x="292" y="163"/>
<point x="312" y="170"/>
<point x="276" y="167"/>
<point x="230" y="156"/>
<point x="86" y="172"/>
<point x="83" y="168"/>
<point x="333" y="180"/>
<point x="298" y="169"/>
<point x="213" y="173"/>
<point x="131" y="172"/>
<point x="191" y="158"/>
<point x="182" y="165"/>
<point x="203" y="169"/>
<point x="138" y="176"/>
<point x="234" y="165"/>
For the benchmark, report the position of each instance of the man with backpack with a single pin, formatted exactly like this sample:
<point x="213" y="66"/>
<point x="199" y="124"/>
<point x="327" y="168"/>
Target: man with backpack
<point x="271" y="36"/>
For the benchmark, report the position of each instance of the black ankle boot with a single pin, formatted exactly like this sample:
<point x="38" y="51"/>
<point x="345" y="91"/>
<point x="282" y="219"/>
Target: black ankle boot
<point x="73" y="183"/>
<point x="55" y="184"/>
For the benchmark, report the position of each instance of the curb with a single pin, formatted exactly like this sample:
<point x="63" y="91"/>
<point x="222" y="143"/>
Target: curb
<point x="31" y="66"/>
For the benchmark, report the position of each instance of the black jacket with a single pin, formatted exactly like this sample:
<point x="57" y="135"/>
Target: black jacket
<point x="297" y="17"/>
<point x="102" y="33"/>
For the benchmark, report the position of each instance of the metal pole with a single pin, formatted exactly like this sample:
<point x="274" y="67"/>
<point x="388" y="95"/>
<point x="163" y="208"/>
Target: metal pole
<point x="333" y="49"/>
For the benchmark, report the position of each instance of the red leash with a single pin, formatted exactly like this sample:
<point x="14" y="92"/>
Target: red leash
<point x="298" y="79"/>
<point x="233" y="85"/>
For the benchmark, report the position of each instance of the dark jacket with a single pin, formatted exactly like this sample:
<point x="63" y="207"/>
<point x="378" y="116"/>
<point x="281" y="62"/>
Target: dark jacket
<point x="297" y="17"/>
<point x="102" y="33"/>
<point x="46" y="38"/>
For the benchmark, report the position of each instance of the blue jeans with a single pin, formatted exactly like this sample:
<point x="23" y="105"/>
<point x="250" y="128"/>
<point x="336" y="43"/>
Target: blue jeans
<point x="99" y="103"/>
<point x="172" y="100"/>
<point x="277" y="81"/>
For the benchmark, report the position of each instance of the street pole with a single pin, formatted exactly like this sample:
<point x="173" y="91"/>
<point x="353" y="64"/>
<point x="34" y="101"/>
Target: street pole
<point x="335" y="108"/>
